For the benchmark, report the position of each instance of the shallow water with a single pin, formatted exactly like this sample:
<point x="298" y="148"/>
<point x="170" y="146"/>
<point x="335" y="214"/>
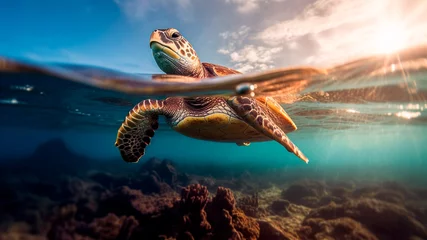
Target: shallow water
<point x="363" y="122"/>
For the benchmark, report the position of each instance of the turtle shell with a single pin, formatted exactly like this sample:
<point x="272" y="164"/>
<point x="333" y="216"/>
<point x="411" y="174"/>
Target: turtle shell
<point x="218" y="70"/>
<point x="226" y="126"/>
<point x="219" y="127"/>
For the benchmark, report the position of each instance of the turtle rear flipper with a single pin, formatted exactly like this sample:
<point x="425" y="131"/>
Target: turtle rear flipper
<point x="279" y="115"/>
<point x="256" y="116"/>
<point x="136" y="131"/>
<point x="243" y="143"/>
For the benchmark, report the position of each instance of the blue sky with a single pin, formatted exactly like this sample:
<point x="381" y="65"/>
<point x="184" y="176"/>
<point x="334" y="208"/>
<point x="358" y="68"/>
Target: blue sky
<point x="248" y="35"/>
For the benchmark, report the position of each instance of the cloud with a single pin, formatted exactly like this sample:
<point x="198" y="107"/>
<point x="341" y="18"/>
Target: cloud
<point x="320" y="16"/>
<point x="137" y="10"/>
<point x="247" y="6"/>
<point x="183" y="3"/>
<point x="252" y="57"/>
<point x="239" y="34"/>
<point x="223" y="51"/>
<point x="246" y="57"/>
<point x="234" y="39"/>
<point x="326" y="32"/>
<point x="249" y="57"/>
<point x="347" y="29"/>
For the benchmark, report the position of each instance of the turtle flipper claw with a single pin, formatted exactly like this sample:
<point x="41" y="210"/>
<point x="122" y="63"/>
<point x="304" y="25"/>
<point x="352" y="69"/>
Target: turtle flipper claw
<point x="138" y="128"/>
<point x="243" y="144"/>
<point x="255" y="115"/>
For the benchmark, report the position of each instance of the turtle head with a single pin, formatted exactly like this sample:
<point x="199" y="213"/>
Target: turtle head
<point x="174" y="54"/>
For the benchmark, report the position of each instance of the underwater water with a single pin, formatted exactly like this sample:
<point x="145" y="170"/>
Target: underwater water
<point x="362" y="124"/>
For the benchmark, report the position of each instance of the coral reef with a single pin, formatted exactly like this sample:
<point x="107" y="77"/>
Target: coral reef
<point x="194" y="223"/>
<point x="382" y="218"/>
<point x="250" y="205"/>
<point x="159" y="201"/>
<point x="340" y="228"/>
<point x="269" y="230"/>
<point x="231" y="222"/>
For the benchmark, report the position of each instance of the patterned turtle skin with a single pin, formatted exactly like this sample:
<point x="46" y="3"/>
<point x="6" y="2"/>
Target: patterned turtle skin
<point x="237" y="119"/>
<point x="175" y="55"/>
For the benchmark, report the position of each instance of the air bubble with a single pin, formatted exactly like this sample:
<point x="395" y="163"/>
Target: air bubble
<point x="245" y="88"/>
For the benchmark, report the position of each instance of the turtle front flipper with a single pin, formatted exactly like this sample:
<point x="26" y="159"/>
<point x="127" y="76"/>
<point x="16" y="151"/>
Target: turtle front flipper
<point x="136" y="131"/>
<point x="256" y="116"/>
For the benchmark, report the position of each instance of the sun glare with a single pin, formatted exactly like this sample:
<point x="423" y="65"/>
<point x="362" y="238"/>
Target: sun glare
<point x="391" y="37"/>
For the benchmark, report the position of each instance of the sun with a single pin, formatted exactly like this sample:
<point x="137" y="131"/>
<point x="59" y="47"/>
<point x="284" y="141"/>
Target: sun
<point x="390" y="37"/>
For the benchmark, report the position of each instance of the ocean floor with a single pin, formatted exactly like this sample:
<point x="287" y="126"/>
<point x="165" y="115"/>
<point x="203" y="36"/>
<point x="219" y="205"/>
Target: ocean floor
<point x="56" y="194"/>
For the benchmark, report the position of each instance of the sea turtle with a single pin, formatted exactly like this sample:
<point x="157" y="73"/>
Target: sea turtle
<point x="237" y="119"/>
<point x="175" y="55"/>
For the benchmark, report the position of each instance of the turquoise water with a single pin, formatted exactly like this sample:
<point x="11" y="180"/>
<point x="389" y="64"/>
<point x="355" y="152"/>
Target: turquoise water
<point x="359" y="124"/>
<point x="365" y="121"/>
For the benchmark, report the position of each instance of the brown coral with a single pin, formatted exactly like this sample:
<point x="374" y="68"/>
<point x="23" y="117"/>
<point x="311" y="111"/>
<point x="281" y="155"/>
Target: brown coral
<point x="250" y="205"/>
<point x="249" y="227"/>
<point x="224" y="199"/>
<point x="194" y="197"/>
<point x="382" y="218"/>
<point x="341" y="228"/>
<point x="127" y="201"/>
<point x="192" y="209"/>
<point x="280" y="207"/>
<point x="307" y="193"/>
<point x="223" y="209"/>
<point x="270" y="231"/>
<point x="110" y="227"/>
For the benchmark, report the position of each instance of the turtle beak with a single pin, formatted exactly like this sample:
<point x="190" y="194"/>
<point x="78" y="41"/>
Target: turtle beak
<point x="157" y="45"/>
<point x="155" y="37"/>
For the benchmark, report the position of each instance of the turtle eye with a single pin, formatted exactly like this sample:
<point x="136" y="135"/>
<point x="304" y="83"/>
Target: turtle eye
<point x="175" y="35"/>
